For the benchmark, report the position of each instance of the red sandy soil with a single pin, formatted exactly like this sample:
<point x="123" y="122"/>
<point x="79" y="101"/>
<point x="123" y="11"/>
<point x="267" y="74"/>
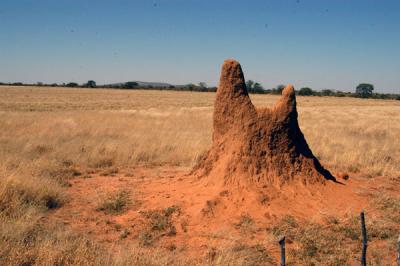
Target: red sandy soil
<point x="208" y="213"/>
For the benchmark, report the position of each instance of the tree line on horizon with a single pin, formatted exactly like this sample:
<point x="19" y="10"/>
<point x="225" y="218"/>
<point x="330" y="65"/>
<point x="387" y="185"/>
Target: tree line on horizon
<point x="363" y="90"/>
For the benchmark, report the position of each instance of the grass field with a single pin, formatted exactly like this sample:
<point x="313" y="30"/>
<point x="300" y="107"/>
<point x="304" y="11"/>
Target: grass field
<point x="50" y="135"/>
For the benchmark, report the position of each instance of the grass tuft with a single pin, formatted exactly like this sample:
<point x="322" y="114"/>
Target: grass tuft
<point x="115" y="203"/>
<point x="18" y="194"/>
<point x="158" y="224"/>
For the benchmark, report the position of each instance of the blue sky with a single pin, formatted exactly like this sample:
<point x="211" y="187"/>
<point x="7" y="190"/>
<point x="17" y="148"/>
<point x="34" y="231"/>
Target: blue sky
<point x="333" y="44"/>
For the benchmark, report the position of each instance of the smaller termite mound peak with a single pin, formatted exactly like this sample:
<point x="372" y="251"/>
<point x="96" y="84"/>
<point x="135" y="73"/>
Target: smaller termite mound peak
<point x="257" y="146"/>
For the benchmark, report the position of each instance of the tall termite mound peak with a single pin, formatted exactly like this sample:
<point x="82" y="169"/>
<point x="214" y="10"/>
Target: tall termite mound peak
<point x="261" y="147"/>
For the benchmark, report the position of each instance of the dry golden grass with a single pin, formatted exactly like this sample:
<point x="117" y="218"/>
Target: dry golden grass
<point x="49" y="135"/>
<point x="88" y="128"/>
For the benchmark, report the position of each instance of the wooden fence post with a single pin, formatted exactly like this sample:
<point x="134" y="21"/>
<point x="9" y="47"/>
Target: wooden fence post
<point x="398" y="251"/>
<point x="365" y="240"/>
<point x="283" y="251"/>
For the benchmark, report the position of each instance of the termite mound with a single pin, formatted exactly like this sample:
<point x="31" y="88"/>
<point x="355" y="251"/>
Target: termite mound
<point x="257" y="146"/>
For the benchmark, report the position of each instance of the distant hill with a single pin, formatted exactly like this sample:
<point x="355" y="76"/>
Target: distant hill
<point x="143" y="84"/>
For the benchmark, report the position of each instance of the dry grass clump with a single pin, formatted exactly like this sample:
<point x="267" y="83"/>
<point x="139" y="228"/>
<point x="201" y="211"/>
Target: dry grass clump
<point x="24" y="240"/>
<point x="61" y="172"/>
<point x="389" y="205"/>
<point x="115" y="203"/>
<point x="245" y="221"/>
<point x="246" y="224"/>
<point x="240" y="255"/>
<point x="315" y="244"/>
<point x="17" y="195"/>
<point x="333" y="243"/>
<point x="34" y="245"/>
<point x="158" y="224"/>
<point x="27" y="242"/>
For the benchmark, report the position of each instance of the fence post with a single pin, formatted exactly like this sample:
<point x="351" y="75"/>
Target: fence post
<point x="365" y="240"/>
<point x="398" y="251"/>
<point x="283" y="251"/>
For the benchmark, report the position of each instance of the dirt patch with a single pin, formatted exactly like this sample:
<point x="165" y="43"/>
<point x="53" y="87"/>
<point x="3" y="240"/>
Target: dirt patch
<point x="172" y="211"/>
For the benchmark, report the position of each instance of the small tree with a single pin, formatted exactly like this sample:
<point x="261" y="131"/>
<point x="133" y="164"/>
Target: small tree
<point x="278" y="89"/>
<point x="364" y="90"/>
<point x="327" y="92"/>
<point x="91" y="84"/>
<point x="254" y="87"/>
<point x="306" y="91"/>
<point x="72" y="84"/>
<point x="203" y="85"/>
<point x="257" y="86"/>
<point x="191" y="87"/>
<point x="340" y="94"/>
<point x="249" y="85"/>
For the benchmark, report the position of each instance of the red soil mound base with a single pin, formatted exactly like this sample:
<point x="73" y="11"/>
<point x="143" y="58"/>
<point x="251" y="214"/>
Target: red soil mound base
<point x="252" y="146"/>
<point x="170" y="209"/>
